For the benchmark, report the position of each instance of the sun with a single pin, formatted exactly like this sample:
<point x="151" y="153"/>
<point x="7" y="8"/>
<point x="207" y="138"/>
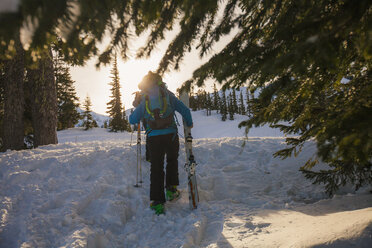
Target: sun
<point x="131" y="73"/>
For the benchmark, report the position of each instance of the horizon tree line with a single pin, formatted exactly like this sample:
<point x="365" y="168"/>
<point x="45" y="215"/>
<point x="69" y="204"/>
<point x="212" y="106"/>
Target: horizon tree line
<point x="226" y="106"/>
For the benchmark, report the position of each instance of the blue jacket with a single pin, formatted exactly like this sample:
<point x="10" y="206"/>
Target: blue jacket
<point x="153" y="93"/>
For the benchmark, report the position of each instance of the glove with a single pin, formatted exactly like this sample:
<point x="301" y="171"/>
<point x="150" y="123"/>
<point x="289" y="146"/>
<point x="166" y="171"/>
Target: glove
<point x="137" y="99"/>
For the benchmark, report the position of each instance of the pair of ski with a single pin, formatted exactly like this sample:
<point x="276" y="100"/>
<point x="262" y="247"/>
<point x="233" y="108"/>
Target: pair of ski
<point x="190" y="163"/>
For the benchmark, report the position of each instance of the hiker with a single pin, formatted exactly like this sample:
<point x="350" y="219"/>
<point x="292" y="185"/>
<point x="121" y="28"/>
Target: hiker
<point x="157" y="108"/>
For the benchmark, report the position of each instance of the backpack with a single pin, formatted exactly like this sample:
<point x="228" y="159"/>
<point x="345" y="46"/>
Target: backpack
<point x="159" y="113"/>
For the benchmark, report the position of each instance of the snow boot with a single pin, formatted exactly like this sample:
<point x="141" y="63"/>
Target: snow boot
<point x="158" y="207"/>
<point x="172" y="193"/>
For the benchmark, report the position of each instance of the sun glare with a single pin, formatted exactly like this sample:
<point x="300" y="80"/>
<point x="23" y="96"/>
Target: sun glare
<point x="131" y="73"/>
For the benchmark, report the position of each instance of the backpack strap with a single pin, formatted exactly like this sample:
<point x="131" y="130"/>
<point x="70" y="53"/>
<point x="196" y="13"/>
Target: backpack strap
<point x="162" y="116"/>
<point x="162" y="102"/>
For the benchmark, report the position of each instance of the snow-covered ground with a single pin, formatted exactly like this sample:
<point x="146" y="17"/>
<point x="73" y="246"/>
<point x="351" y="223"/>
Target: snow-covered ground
<point x="80" y="193"/>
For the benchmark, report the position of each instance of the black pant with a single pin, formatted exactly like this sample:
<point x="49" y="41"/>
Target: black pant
<point x="147" y="149"/>
<point x="159" y="146"/>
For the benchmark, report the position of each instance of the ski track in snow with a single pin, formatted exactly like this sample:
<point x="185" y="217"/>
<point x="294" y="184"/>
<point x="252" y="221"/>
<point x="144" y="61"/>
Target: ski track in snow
<point x="81" y="194"/>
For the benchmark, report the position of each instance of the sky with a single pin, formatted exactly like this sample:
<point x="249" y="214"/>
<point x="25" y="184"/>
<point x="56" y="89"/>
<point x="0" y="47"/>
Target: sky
<point x="94" y="83"/>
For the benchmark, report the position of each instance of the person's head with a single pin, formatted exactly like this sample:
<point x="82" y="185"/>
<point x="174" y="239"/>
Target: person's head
<point x="150" y="80"/>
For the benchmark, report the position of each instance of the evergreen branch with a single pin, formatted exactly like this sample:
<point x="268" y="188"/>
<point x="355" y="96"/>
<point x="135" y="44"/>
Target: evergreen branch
<point x="343" y="173"/>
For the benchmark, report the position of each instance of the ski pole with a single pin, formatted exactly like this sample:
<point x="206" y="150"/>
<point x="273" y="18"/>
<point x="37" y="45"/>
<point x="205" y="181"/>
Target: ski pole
<point x="138" y="153"/>
<point x="131" y="136"/>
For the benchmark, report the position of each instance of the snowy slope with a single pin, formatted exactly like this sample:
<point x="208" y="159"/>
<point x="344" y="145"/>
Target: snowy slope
<point x="212" y="127"/>
<point x="80" y="193"/>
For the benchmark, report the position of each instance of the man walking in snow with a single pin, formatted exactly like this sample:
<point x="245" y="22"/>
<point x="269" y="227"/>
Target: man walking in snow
<point x="156" y="107"/>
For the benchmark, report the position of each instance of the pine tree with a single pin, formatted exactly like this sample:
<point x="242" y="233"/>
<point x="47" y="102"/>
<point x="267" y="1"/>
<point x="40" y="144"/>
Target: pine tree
<point x="13" y="100"/>
<point x="88" y="121"/>
<point x="67" y="100"/>
<point x="216" y="98"/>
<point x="193" y="102"/>
<point x="43" y="94"/>
<point x="126" y="122"/>
<point x="197" y="98"/>
<point x="231" y="106"/>
<point x="234" y="102"/>
<point x="223" y="105"/>
<point x="248" y="101"/>
<point x="208" y="104"/>
<point x="114" y="106"/>
<point x="28" y="123"/>
<point x="204" y="100"/>
<point x="241" y="104"/>
<point x="2" y="88"/>
<point x="200" y="99"/>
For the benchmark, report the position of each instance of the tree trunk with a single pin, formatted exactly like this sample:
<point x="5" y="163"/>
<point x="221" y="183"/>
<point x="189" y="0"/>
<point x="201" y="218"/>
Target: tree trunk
<point x="44" y="101"/>
<point x="13" y="122"/>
